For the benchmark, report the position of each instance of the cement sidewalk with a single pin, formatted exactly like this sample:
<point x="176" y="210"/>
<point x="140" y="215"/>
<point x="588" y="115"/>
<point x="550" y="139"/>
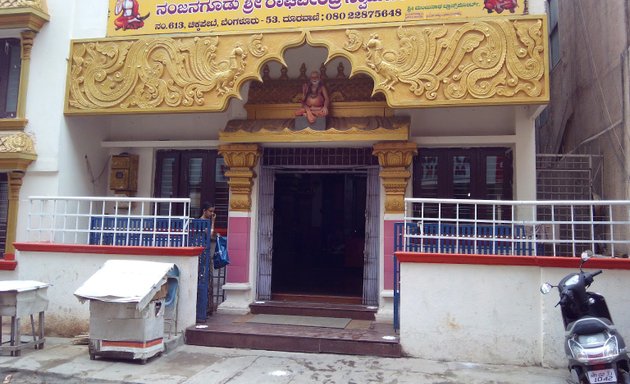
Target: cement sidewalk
<point x="62" y="362"/>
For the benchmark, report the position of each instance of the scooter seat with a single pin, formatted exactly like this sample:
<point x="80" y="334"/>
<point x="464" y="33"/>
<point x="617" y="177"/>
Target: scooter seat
<point x="590" y="325"/>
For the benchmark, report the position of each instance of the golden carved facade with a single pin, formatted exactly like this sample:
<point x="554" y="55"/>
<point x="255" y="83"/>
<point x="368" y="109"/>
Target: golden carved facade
<point x="166" y="74"/>
<point x="395" y="159"/>
<point x="17" y="152"/>
<point x="241" y="160"/>
<point x="35" y="4"/>
<point x="19" y="143"/>
<point x="476" y="62"/>
<point x="23" y="14"/>
<point x="500" y="61"/>
<point x="308" y="135"/>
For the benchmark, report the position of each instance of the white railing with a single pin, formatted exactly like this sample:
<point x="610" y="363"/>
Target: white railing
<point x="528" y="228"/>
<point x="125" y="221"/>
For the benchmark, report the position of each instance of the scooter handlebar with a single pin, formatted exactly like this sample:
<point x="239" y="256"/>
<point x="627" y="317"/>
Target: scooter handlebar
<point x="588" y="277"/>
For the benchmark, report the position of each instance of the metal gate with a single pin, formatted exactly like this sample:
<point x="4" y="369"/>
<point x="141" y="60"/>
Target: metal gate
<point x="210" y="281"/>
<point x="371" y="250"/>
<point x="265" y="233"/>
<point x="199" y="237"/>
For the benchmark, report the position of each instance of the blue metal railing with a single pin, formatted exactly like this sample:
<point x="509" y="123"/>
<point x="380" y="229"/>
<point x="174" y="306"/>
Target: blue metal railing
<point x="481" y="239"/>
<point x="145" y="232"/>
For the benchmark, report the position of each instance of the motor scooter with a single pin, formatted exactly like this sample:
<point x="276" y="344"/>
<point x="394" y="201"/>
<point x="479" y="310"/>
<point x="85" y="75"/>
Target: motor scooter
<point x="595" y="350"/>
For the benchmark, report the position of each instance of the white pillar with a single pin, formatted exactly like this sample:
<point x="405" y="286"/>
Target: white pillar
<point x="524" y="155"/>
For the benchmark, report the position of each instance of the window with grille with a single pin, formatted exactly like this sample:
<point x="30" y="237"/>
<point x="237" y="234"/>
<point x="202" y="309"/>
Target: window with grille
<point x="10" y="67"/>
<point x="316" y="157"/>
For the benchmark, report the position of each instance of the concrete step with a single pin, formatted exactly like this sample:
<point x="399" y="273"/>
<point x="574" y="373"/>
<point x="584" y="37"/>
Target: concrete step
<point x="300" y="308"/>
<point x="359" y="337"/>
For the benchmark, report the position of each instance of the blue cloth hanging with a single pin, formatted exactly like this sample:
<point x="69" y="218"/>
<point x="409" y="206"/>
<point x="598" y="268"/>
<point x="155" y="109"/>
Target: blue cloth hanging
<point x="220" y="258"/>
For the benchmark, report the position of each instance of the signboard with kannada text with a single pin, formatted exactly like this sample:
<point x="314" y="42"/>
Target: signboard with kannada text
<point x="146" y="17"/>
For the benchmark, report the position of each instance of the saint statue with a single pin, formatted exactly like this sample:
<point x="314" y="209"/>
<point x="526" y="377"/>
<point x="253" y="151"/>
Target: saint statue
<point x="315" y="99"/>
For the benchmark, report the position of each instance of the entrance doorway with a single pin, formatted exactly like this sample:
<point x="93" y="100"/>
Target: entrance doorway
<point x="319" y="235"/>
<point x="319" y="225"/>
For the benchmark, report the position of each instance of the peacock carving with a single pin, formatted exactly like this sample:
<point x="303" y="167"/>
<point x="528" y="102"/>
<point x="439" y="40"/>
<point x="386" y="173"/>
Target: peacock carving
<point x="151" y="73"/>
<point x="474" y="61"/>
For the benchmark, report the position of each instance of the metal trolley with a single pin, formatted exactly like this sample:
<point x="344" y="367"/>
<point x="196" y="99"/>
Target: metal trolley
<point x="131" y="305"/>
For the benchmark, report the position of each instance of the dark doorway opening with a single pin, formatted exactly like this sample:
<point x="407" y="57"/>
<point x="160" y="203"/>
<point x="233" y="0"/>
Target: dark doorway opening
<point x="318" y="234"/>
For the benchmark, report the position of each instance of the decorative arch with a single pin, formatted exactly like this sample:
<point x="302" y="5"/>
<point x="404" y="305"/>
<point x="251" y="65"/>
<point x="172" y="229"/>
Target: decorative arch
<point x="167" y="74"/>
<point x="420" y="64"/>
<point x="478" y="62"/>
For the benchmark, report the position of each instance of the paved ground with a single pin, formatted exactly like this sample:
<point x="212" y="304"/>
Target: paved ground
<point x="62" y="362"/>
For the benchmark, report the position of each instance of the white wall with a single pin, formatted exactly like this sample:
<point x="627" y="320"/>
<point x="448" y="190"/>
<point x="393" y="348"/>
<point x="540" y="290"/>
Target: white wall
<point x="493" y="314"/>
<point x="537" y="7"/>
<point x="64" y="146"/>
<point x="61" y="144"/>
<point x="524" y="155"/>
<point x="461" y="121"/>
<point x="66" y="316"/>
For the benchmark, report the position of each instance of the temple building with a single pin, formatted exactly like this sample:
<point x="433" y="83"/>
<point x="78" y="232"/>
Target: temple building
<point x="203" y="99"/>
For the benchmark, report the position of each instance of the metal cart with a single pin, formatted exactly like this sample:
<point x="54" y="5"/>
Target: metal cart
<point x="128" y="302"/>
<point x="21" y="299"/>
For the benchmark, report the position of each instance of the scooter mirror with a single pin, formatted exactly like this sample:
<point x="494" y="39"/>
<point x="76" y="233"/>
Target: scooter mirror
<point x="587" y="255"/>
<point x="545" y="288"/>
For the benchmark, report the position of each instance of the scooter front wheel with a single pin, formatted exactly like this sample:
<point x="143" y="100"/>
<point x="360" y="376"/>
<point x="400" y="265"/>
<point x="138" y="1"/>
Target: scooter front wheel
<point x="577" y="377"/>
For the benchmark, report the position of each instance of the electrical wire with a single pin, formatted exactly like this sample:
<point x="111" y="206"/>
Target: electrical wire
<point x="93" y="179"/>
<point x="598" y="81"/>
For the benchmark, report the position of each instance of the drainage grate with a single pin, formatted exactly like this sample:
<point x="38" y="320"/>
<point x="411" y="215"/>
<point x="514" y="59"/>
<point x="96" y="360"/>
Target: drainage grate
<point x="318" y="157"/>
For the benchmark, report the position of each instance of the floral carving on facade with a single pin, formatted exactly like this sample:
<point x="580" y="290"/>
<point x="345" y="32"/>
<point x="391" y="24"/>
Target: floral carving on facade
<point x="162" y="73"/>
<point x="36" y="4"/>
<point x="452" y="62"/>
<point x="241" y="160"/>
<point x="17" y="143"/>
<point x="476" y="62"/>
<point x="395" y="159"/>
